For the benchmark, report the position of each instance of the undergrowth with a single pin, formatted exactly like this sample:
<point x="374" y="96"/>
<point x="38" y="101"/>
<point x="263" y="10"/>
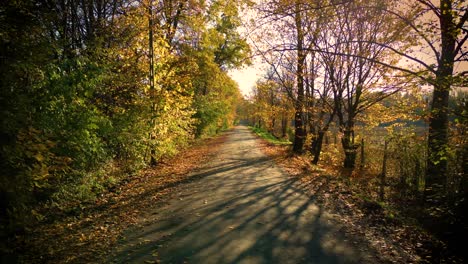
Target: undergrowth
<point x="269" y="137"/>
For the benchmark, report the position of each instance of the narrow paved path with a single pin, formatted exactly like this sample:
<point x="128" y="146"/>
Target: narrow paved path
<point x="242" y="209"/>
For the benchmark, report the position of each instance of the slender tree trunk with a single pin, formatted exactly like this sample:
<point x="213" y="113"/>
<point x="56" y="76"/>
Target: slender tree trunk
<point x="317" y="146"/>
<point x="272" y="125"/>
<point x="310" y="100"/>
<point x="153" y="160"/>
<point x="284" y="126"/>
<point x="318" y="141"/>
<point x="300" y="133"/>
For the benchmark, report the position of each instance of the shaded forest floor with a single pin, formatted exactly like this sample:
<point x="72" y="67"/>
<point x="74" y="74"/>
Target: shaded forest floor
<point x="88" y="235"/>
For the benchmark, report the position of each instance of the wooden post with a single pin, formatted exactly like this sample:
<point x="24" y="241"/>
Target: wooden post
<point x="363" y="158"/>
<point x="384" y="171"/>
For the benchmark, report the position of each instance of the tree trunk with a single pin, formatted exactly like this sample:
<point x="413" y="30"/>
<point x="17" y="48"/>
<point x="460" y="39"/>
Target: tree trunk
<point x="272" y="126"/>
<point x="437" y="145"/>
<point x="317" y="146"/>
<point x="299" y="136"/>
<point x="350" y="149"/>
<point x="153" y="160"/>
<point x="284" y="126"/>
<point x="438" y="121"/>
<point x="300" y="133"/>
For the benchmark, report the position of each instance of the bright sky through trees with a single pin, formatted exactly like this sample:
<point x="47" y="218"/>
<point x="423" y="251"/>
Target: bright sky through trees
<point x="248" y="76"/>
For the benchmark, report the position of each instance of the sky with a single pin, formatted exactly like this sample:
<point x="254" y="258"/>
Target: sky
<point x="247" y="77"/>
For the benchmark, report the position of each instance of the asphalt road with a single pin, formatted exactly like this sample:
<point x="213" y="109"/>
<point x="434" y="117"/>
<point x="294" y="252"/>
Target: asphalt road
<point x="242" y="209"/>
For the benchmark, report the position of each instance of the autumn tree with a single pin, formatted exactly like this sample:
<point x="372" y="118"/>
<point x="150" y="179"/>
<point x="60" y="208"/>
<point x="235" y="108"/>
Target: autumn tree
<point x="288" y="53"/>
<point x="219" y="48"/>
<point x="357" y="81"/>
<point x="447" y="44"/>
<point x="440" y="30"/>
<point x="272" y="105"/>
<point x="321" y="111"/>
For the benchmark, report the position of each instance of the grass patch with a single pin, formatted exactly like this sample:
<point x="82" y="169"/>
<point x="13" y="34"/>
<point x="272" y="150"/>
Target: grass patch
<point x="269" y="137"/>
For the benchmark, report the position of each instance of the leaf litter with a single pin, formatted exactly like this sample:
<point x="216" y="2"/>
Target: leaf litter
<point x="397" y="240"/>
<point x="91" y="235"/>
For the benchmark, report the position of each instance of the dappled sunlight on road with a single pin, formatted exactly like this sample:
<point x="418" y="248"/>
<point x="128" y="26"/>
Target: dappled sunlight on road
<point x="242" y="209"/>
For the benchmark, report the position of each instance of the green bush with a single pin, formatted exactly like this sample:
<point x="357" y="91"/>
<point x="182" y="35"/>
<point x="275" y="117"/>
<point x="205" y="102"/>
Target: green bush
<point x="269" y="137"/>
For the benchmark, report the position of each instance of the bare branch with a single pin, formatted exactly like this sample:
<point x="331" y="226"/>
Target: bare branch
<point x="409" y="23"/>
<point x="394" y="67"/>
<point x="428" y="67"/>
<point x="463" y="20"/>
<point x="460" y="45"/>
<point x="431" y="6"/>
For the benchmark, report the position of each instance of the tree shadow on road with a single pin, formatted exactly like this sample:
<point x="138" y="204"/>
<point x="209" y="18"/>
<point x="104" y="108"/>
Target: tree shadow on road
<point x="240" y="210"/>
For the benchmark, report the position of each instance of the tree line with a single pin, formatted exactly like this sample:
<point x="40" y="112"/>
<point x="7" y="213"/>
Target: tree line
<point x="92" y="91"/>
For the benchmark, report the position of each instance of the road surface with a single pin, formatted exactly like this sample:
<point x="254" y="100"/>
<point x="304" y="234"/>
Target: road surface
<point x="241" y="209"/>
